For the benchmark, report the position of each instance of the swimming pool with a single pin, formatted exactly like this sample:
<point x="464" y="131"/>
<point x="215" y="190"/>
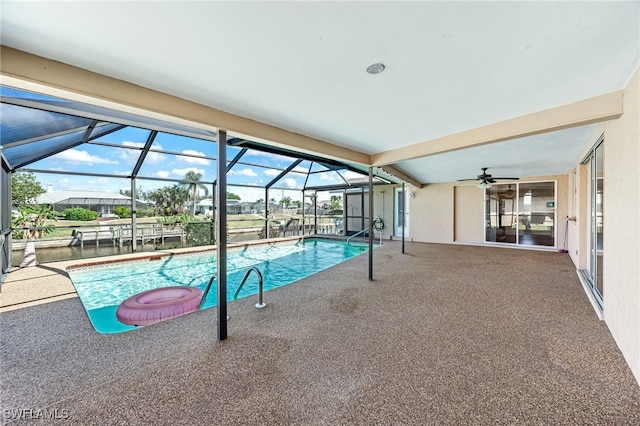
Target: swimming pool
<point x="102" y="288"/>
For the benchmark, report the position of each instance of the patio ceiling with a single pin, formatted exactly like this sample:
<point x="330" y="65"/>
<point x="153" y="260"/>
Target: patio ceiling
<point x="457" y="73"/>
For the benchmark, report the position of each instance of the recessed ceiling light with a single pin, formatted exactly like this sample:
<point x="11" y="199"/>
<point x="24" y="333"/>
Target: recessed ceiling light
<point x="376" y="68"/>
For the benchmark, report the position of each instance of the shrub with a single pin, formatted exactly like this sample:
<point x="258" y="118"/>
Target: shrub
<point x="179" y="218"/>
<point x="200" y="233"/>
<point x="122" y="211"/>
<point x="145" y="212"/>
<point x="78" y="213"/>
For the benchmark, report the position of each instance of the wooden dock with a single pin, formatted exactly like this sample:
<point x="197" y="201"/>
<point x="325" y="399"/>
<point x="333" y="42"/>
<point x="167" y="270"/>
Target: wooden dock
<point x="119" y="235"/>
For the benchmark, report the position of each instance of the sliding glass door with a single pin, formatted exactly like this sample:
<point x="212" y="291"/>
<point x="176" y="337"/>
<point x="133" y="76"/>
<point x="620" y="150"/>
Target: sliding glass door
<point x="521" y="213"/>
<point x="501" y="214"/>
<point x="596" y="195"/>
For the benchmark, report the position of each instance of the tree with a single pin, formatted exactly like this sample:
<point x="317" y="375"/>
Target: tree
<point x="140" y="194"/>
<point x="25" y="188"/>
<point x="191" y="184"/>
<point x="168" y="201"/>
<point x="232" y="196"/>
<point x="336" y="202"/>
<point x="285" y="202"/>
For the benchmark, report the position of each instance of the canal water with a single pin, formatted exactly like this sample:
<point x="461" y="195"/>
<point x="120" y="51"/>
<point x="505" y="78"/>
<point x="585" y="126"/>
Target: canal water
<point x="55" y="254"/>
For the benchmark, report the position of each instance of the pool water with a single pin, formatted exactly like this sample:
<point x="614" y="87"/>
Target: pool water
<point x="101" y="289"/>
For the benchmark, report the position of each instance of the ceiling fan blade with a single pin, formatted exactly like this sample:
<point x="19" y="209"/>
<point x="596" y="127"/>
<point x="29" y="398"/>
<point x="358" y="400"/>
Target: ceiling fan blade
<point x="487" y="178"/>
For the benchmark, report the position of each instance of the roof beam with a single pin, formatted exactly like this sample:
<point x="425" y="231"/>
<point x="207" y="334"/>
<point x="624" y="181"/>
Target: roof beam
<point x="143" y="154"/>
<point x="399" y="174"/>
<point x="588" y="111"/>
<point x="30" y="72"/>
<point x="283" y="173"/>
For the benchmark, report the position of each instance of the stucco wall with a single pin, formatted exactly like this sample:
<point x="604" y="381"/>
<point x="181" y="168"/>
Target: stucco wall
<point x="468" y="214"/>
<point x="579" y="228"/>
<point x="622" y="226"/>
<point x="431" y="214"/>
<point x="383" y="208"/>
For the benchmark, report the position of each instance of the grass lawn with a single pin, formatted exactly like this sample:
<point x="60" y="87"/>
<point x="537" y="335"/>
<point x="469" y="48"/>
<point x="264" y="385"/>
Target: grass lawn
<point x="63" y="228"/>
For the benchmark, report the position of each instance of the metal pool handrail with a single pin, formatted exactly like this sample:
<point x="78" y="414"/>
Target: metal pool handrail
<point x="358" y="233"/>
<point x="206" y="290"/>
<point x="260" y="303"/>
<point x="355" y="235"/>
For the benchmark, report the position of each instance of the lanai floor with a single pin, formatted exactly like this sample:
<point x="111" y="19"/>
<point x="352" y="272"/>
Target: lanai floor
<point x="445" y="334"/>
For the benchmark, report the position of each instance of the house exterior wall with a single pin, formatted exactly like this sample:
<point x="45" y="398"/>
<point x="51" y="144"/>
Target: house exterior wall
<point x="622" y="226"/>
<point x="432" y="215"/>
<point x="383" y="208"/>
<point x="469" y="211"/>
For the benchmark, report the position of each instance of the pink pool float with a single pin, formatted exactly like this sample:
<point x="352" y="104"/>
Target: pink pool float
<point x="159" y="304"/>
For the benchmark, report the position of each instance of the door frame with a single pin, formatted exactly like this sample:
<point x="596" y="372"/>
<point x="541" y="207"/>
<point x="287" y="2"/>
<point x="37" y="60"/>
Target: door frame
<point x="594" y="268"/>
<point x="397" y="228"/>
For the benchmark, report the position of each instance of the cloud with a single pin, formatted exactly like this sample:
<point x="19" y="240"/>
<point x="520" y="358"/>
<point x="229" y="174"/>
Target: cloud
<point x="130" y="156"/>
<point x="272" y="172"/>
<point x="348" y="174"/>
<point x="62" y="183"/>
<point x="271" y="156"/>
<point x="192" y="160"/>
<point x="247" y="194"/>
<point x="300" y="169"/>
<point x="182" y="172"/>
<point x="163" y="174"/>
<point x="76" y="156"/>
<point x="290" y="183"/>
<point x="327" y="176"/>
<point x="243" y="172"/>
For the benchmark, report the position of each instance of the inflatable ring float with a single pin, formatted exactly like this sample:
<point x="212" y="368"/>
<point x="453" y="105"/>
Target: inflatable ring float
<point x="152" y="306"/>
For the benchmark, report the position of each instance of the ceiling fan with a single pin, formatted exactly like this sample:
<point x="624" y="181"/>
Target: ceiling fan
<point x="486" y="179"/>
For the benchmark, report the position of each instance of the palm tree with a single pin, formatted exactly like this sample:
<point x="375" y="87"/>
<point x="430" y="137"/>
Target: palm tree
<point x="285" y="202"/>
<point x="191" y="184"/>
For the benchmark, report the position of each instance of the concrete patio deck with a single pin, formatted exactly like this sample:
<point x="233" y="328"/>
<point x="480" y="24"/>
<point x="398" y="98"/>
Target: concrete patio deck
<point x="445" y="334"/>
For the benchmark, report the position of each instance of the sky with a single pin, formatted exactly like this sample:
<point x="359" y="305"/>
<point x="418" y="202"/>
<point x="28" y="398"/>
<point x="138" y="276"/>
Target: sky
<point x="113" y="157"/>
<point x="172" y="157"/>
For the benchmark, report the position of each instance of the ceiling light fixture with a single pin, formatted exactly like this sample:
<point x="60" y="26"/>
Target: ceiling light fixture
<point x="484" y="185"/>
<point x="376" y="68"/>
